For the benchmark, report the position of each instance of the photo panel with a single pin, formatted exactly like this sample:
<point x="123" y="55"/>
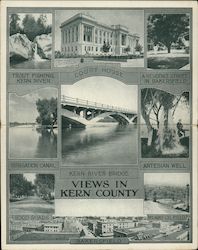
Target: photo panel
<point x="167" y="193"/>
<point x="31" y="207"/>
<point x="99" y="122"/>
<point x="99" y="36"/>
<point x="33" y="126"/>
<point x="165" y="119"/>
<point x="99" y="135"/>
<point x="30" y="40"/>
<point x="168" y="41"/>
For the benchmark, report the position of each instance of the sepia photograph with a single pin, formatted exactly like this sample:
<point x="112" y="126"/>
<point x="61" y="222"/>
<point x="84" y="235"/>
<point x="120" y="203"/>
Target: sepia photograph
<point x="166" y="193"/>
<point x="33" y="124"/>
<point x="98" y="114"/>
<point x="30" y="40"/>
<point x="31" y="194"/>
<point x="168" y="41"/>
<point x="165" y="120"/>
<point x="99" y="122"/>
<point x="130" y="229"/>
<point x="99" y="36"/>
<point x="136" y="228"/>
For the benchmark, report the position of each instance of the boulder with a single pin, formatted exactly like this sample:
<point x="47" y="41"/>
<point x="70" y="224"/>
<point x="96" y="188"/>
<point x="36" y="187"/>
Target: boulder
<point x="44" y="45"/>
<point x="20" y="46"/>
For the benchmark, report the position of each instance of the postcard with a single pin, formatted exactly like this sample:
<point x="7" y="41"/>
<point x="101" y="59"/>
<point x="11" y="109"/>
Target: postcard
<point x="99" y="117"/>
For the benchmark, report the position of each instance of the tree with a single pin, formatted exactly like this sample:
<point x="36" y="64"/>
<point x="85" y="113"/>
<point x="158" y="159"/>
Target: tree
<point x="33" y="28"/>
<point x="127" y="49"/>
<point x="154" y="196"/>
<point x="43" y="28"/>
<point x="30" y="27"/>
<point x="20" y="186"/>
<point x="47" y="109"/>
<point x="167" y="28"/>
<point x="45" y="185"/>
<point x="106" y="47"/>
<point x="14" y="24"/>
<point x="138" y="47"/>
<point x="155" y="102"/>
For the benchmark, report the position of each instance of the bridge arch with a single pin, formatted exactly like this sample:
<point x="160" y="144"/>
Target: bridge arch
<point x="115" y="74"/>
<point x="120" y="117"/>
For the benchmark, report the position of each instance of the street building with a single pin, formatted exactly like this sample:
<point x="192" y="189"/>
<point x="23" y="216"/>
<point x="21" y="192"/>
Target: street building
<point x="53" y="227"/>
<point x="106" y="227"/>
<point x="84" y="35"/>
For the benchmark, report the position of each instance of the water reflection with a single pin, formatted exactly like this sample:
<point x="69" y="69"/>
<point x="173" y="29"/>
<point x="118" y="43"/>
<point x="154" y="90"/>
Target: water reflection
<point x="29" y="142"/>
<point x="106" y="143"/>
<point x="31" y="64"/>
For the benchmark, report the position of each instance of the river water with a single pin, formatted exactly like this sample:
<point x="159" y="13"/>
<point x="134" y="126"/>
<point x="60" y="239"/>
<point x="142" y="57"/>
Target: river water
<point x="31" y="64"/>
<point x="28" y="142"/>
<point x="106" y="143"/>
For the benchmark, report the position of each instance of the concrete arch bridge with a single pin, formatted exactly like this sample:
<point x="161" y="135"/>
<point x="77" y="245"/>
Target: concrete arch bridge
<point x="80" y="113"/>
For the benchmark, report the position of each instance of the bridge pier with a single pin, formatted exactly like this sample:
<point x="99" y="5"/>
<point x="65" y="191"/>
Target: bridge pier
<point x="92" y="114"/>
<point x="85" y="113"/>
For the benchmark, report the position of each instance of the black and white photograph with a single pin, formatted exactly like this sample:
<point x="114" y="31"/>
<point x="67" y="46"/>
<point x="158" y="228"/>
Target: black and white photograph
<point x="30" y="194"/>
<point x="99" y="36"/>
<point x="165" y="120"/>
<point x="136" y="228"/>
<point x="30" y="40"/>
<point x="130" y="229"/>
<point x="99" y="118"/>
<point x="166" y="193"/>
<point x="99" y="122"/>
<point x="33" y="124"/>
<point x="168" y="41"/>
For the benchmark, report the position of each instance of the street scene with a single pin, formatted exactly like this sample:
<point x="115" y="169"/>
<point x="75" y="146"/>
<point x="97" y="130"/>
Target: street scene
<point x="33" y="124"/>
<point x="65" y="229"/>
<point x="99" y="36"/>
<point x="99" y="116"/>
<point x="31" y="194"/>
<point x="167" y="193"/>
<point x="168" y="41"/>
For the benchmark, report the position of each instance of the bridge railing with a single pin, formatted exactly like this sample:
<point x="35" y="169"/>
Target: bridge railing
<point x="90" y="104"/>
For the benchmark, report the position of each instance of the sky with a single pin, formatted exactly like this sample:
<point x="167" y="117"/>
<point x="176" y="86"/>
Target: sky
<point x="30" y="177"/>
<point x="36" y="16"/>
<point x="103" y="90"/>
<point x="133" y="19"/>
<point x="169" y="179"/>
<point x="23" y="108"/>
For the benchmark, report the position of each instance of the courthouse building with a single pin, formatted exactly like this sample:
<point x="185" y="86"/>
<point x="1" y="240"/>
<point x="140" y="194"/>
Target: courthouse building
<point x="84" y="35"/>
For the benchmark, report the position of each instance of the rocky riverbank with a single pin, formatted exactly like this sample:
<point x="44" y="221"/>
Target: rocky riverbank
<point x="21" y="48"/>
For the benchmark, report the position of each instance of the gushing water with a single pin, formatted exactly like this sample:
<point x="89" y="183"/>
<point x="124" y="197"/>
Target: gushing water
<point x="36" y="56"/>
<point x="175" y="146"/>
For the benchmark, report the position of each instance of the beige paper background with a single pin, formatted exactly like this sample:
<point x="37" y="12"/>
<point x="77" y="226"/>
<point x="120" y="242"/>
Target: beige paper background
<point x="160" y="4"/>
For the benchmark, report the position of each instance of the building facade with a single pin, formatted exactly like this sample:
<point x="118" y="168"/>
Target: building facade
<point x="53" y="227"/>
<point x="83" y="35"/>
<point x="107" y="227"/>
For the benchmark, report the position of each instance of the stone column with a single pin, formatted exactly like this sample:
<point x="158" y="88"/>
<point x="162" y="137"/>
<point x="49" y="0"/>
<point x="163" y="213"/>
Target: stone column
<point x="80" y="38"/>
<point x="93" y="35"/>
<point x="70" y="34"/>
<point x="62" y="34"/>
<point x="85" y="113"/>
<point x="80" y="32"/>
<point x="92" y="114"/>
<point x="120" y="45"/>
